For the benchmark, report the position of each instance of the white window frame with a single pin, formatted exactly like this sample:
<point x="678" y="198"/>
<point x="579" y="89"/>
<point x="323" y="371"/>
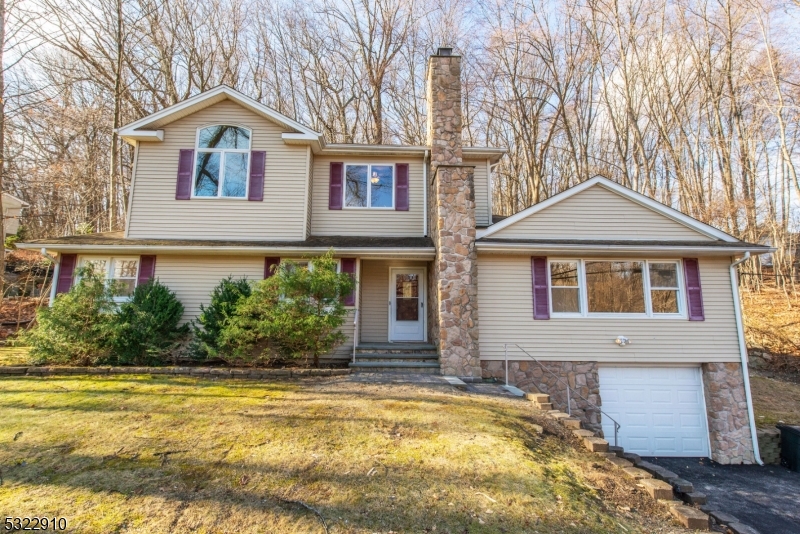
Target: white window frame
<point x="82" y="260"/>
<point x="369" y="186"/>
<point x="221" y="151"/>
<point x="311" y="265"/>
<point x="584" y="294"/>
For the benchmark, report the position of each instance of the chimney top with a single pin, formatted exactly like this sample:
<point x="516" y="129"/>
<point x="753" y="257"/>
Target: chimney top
<point x="444" y="51"/>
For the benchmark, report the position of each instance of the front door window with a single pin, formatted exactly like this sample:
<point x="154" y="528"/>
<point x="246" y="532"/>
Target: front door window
<point x="407" y="306"/>
<point x="407" y="287"/>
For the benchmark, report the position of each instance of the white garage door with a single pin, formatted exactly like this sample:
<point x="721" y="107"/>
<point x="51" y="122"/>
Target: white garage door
<point x="660" y="410"/>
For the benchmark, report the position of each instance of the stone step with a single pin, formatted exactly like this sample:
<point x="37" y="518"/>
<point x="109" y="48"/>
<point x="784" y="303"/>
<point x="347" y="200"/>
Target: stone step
<point x="543" y="406"/>
<point x="583" y="433"/>
<point x="400" y="367"/>
<point x="690" y="517"/>
<point x="395" y="348"/>
<point x="571" y="422"/>
<point x="396" y="357"/>
<point x="657" y="489"/>
<point x="636" y="474"/>
<point x="538" y="397"/>
<point x="598" y="445"/>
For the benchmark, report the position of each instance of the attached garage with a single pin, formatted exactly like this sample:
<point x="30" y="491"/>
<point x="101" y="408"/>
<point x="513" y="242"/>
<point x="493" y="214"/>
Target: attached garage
<point x="661" y="410"/>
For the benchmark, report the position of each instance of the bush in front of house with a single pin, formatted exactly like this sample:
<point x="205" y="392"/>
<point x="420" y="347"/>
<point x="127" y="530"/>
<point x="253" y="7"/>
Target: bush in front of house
<point x="77" y="328"/>
<point x="145" y="329"/>
<point x="296" y="313"/>
<point x="224" y="299"/>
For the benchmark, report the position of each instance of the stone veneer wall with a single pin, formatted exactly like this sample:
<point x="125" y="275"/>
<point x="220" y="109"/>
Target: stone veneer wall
<point x="531" y="377"/>
<point x="452" y="224"/>
<point x="456" y="269"/>
<point x="728" y="419"/>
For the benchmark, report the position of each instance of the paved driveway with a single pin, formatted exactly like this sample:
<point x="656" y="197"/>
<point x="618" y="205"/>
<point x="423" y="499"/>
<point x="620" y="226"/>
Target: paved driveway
<point x="766" y="498"/>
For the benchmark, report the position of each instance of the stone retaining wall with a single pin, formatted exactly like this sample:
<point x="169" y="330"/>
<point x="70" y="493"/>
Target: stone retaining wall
<point x="202" y="372"/>
<point x="728" y="419"/>
<point x="531" y="377"/>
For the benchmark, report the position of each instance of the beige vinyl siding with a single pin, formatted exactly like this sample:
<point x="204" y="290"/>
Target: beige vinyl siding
<point x="481" y="178"/>
<point x="156" y="214"/>
<point x="598" y="213"/>
<point x="193" y="278"/>
<point x="366" y="221"/>
<point x="374" y="315"/>
<point x="506" y="316"/>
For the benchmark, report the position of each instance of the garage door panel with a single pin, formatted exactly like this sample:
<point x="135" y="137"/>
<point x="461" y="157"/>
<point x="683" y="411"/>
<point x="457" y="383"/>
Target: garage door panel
<point x="660" y="409"/>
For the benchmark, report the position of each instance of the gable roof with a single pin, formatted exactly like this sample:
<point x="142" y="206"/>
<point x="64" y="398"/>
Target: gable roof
<point x="149" y="128"/>
<point x="624" y="192"/>
<point x="19" y="203"/>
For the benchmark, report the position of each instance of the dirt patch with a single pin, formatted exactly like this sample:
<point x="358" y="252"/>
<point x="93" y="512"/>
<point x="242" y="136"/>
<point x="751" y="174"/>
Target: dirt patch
<point x="775" y="400"/>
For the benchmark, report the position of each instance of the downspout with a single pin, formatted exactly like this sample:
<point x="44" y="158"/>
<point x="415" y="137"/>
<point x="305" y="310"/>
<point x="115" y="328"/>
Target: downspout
<point x="56" y="271"/>
<point x="425" y="194"/>
<point x="743" y="353"/>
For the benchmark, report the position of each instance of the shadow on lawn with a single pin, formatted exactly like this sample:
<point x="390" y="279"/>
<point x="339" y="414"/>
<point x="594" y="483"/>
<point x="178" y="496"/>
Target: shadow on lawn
<point x="364" y="501"/>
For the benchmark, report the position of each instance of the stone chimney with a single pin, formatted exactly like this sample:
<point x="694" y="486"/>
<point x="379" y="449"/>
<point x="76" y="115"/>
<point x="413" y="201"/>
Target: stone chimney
<point x="452" y="223"/>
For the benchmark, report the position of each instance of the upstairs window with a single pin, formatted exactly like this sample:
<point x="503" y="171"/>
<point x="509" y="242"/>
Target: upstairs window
<point x="222" y="162"/>
<point x="369" y="186"/>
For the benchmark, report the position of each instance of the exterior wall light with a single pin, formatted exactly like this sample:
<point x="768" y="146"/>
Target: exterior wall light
<point x="622" y="341"/>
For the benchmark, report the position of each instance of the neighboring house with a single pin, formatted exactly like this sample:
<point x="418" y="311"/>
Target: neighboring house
<point x="12" y="211"/>
<point x="630" y="301"/>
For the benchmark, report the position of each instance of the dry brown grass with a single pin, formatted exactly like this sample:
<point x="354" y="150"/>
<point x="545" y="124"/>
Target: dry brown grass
<point x="772" y="321"/>
<point x="131" y="454"/>
<point x="775" y="401"/>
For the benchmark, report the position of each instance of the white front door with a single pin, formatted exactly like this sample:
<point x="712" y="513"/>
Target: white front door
<point x="661" y="410"/>
<point x="407" y="304"/>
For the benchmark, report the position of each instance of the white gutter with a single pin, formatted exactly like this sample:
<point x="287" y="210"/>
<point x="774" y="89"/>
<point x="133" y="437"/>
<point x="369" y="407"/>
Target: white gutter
<point x="425" y="193"/>
<point x="743" y="353"/>
<point x="388" y="252"/>
<point x="519" y="248"/>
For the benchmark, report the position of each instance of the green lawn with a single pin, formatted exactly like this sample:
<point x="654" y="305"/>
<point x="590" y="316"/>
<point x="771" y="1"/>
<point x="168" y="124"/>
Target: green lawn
<point x="129" y="454"/>
<point x="14" y="355"/>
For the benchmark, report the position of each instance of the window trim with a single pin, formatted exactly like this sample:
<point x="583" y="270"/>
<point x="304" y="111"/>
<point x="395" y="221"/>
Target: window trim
<point x="81" y="262"/>
<point x="221" y="186"/>
<point x="584" y="294"/>
<point x="369" y="188"/>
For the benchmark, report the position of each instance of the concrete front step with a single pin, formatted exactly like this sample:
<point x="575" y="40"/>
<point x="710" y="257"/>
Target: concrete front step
<point x="396" y="357"/>
<point x="401" y="367"/>
<point x="396" y="348"/>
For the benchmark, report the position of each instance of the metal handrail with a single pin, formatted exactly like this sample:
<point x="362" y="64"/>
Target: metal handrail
<point x="617" y="426"/>
<point x="355" y="335"/>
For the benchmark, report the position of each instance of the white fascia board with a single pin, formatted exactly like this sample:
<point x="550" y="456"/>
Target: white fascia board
<point x="22" y="203"/>
<point x="133" y="130"/>
<point x="372" y="150"/>
<point x="134" y="136"/>
<point x="630" y="194"/>
<point x="363" y="252"/>
<point x="317" y="143"/>
<point x="493" y="154"/>
<point x="523" y="248"/>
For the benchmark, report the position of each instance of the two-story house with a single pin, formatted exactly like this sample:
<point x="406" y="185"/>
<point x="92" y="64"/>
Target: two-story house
<point x="631" y="302"/>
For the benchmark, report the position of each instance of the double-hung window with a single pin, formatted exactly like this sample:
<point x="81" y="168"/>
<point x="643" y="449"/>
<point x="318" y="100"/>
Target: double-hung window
<point x="119" y="270"/>
<point x="369" y="186"/>
<point x="635" y="288"/>
<point x="222" y="162"/>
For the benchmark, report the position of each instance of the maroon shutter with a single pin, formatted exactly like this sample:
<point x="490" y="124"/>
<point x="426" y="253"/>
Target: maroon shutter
<point x="541" y="306"/>
<point x="258" y="160"/>
<point x="66" y="272"/>
<point x="183" y="190"/>
<point x="335" y="187"/>
<point x="270" y="266"/>
<point x="401" y="187"/>
<point x="694" y="294"/>
<point x="147" y="269"/>
<point x="349" y="266"/>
